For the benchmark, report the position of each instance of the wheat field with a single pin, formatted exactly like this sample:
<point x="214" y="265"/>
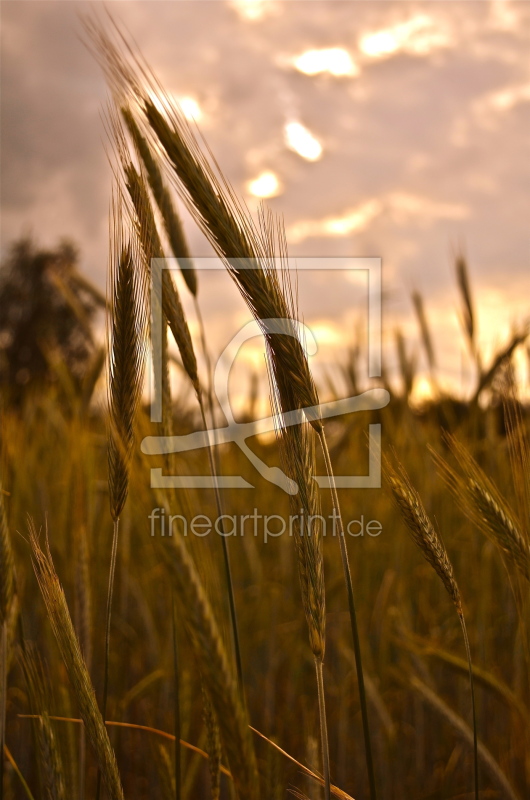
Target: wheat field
<point x="141" y="658"/>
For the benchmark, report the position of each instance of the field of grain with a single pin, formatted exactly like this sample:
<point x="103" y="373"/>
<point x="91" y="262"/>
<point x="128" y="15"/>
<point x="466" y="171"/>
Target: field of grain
<point x="380" y="652"/>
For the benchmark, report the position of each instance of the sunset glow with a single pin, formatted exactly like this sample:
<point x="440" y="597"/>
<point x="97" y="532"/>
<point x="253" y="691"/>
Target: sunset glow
<point x="417" y="36"/>
<point x="302" y="141"/>
<point x="190" y="108"/>
<point x="334" y="60"/>
<point x="265" y="185"/>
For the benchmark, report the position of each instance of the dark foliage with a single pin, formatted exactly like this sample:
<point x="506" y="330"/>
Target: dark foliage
<point x="46" y="313"/>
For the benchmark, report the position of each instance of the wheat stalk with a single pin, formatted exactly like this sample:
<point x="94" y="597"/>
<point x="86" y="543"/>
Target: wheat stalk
<point x="298" y="455"/>
<point x="127" y="328"/>
<point x="68" y="644"/>
<point x="246" y="250"/>
<point x="482" y="502"/>
<point x="432" y="548"/>
<point x="467" y="736"/>
<point x="144" y="222"/>
<point x="219" y="679"/>
<point x="172" y="222"/>
<point x="50" y="757"/>
<point x="174" y="232"/>
<point x="127" y="346"/>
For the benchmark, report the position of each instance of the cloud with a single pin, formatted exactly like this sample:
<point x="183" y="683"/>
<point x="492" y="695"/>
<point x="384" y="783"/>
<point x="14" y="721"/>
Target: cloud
<point x="300" y="139"/>
<point x="420" y="35"/>
<point x="398" y="205"/>
<point x="266" y="184"/>
<point x="334" y="60"/>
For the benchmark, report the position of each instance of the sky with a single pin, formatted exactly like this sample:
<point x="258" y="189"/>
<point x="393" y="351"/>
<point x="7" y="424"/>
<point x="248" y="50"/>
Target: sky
<point x="396" y="129"/>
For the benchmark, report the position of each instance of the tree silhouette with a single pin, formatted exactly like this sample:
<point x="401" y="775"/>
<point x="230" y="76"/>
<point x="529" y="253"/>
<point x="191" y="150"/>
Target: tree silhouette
<point x="46" y="316"/>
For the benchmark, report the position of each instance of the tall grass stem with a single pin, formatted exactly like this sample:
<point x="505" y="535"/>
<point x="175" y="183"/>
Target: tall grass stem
<point x="353" y="619"/>
<point x="226" y="560"/>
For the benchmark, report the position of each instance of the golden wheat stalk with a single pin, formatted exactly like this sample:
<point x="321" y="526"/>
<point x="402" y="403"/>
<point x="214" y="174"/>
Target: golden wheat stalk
<point x="144" y="223"/>
<point x="174" y="231"/>
<point x="244" y="248"/>
<point x="468" y="311"/>
<point x="141" y="219"/>
<point x="425" y="536"/>
<point x="297" y="448"/>
<point x="463" y="730"/>
<point x="426" y="338"/>
<point x="220" y="681"/>
<point x="50" y="760"/>
<point x="421" y="529"/>
<point x="127" y="348"/>
<point x="127" y="335"/>
<point x="519" y="447"/>
<point x="64" y="633"/>
<point x="172" y="222"/>
<point x="484" y="505"/>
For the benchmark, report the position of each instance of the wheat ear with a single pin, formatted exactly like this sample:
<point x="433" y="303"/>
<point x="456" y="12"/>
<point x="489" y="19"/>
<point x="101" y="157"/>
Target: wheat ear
<point x="432" y="548"/>
<point x="70" y="650"/>
<point x="127" y="329"/>
<point x="172" y="222"/>
<point x="482" y="502"/>
<point x="174" y="314"/>
<point x="174" y="232"/>
<point x="243" y="247"/>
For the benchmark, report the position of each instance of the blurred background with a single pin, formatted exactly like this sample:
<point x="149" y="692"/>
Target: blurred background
<point x="396" y="129"/>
